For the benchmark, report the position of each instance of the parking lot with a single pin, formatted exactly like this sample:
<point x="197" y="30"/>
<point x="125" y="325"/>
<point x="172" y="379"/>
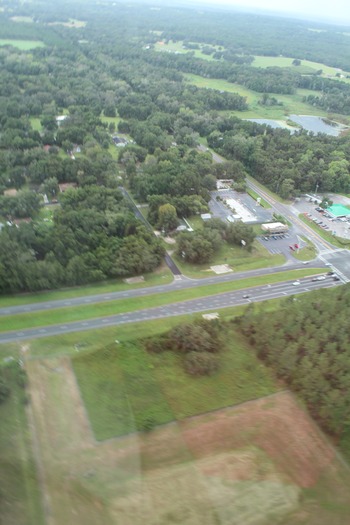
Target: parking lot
<point x="337" y="226"/>
<point x="244" y="205"/>
<point x="286" y="243"/>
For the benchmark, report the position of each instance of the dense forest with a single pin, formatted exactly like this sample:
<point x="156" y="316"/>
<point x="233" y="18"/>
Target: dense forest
<point x="307" y="342"/>
<point x="98" y="75"/>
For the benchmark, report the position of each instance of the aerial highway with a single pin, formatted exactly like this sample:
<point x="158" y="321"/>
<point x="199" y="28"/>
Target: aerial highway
<point x="203" y="304"/>
<point x="176" y="284"/>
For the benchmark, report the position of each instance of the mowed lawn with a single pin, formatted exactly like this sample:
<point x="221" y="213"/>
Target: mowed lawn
<point x="125" y="388"/>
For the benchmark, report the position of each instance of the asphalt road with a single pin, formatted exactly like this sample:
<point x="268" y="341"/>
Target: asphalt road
<point x="204" y="304"/>
<point x="180" y="284"/>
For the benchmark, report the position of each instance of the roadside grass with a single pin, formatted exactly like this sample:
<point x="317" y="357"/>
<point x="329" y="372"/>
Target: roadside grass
<point x="327" y="236"/>
<point x="72" y="344"/>
<point x="307" y="253"/>
<point x="238" y="258"/>
<point x="292" y="104"/>
<point x="23" y="45"/>
<point x="124" y="387"/>
<point x="256" y="196"/>
<point x="20" y="494"/>
<point x="265" y="190"/>
<point x="71" y="314"/>
<point x="161" y="276"/>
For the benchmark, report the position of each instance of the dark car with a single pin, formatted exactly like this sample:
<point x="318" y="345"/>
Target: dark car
<point x="245" y="296"/>
<point x="336" y="278"/>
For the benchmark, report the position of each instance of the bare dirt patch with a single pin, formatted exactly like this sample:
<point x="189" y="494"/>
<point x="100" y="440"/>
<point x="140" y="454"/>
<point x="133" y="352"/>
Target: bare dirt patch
<point x="275" y="424"/>
<point x="221" y="268"/>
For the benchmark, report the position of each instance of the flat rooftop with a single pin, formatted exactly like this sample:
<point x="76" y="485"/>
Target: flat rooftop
<point x="338" y="210"/>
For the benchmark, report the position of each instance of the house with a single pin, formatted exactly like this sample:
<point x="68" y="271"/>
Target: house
<point x="66" y="186"/>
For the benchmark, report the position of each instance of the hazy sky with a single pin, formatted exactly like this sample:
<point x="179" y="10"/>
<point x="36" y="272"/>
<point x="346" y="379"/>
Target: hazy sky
<point x="327" y="10"/>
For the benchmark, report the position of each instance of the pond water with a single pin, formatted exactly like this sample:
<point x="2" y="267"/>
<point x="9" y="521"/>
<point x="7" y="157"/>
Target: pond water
<point x="317" y="125"/>
<point x="310" y="123"/>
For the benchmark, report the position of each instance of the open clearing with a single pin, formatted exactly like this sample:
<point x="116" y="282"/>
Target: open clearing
<point x="23" y="45"/>
<point x="306" y="66"/>
<point x="292" y="104"/>
<point x="261" y="463"/>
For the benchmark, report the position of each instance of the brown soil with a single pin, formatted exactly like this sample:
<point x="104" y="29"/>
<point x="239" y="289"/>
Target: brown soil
<point x="277" y="424"/>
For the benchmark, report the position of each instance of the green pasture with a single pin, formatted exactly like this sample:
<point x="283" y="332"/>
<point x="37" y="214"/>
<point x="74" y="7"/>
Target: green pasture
<point x="23" y="45"/>
<point x="292" y="104"/>
<point x="20" y="499"/>
<point x="124" y="387"/>
<point x="71" y="314"/>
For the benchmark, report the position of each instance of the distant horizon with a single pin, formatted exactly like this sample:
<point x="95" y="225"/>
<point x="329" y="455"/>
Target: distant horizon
<point x="335" y="13"/>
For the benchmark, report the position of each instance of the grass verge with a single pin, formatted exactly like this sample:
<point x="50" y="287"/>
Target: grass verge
<point x="67" y="315"/>
<point x="20" y="495"/>
<point x="307" y="253"/>
<point x="256" y="196"/>
<point x="161" y="276"/>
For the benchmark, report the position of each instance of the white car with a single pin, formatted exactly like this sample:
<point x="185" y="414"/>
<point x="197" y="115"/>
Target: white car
<point x="296" y="283"/>
<point x="321" y="277"/>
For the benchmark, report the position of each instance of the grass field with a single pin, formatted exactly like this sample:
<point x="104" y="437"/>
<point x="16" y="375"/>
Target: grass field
<point x="238" y="259"/>
<point x="261" y="462"/>
<point x="35" y="123"/>
<point x="23" y="45"/>
<point x="123" y="386"/>
<point x="70" y="314"/>
<point x="292" y="104"/>
<point x="305" y="67"/>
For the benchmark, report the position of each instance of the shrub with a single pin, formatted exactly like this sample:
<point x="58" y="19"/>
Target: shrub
<point x="201" y="363"/>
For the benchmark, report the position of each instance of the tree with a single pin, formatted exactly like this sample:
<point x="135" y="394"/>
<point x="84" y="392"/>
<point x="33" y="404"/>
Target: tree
<point x="50" y="187"/>
<point x="238" y="231"/>
<point x="167" y="218"/>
